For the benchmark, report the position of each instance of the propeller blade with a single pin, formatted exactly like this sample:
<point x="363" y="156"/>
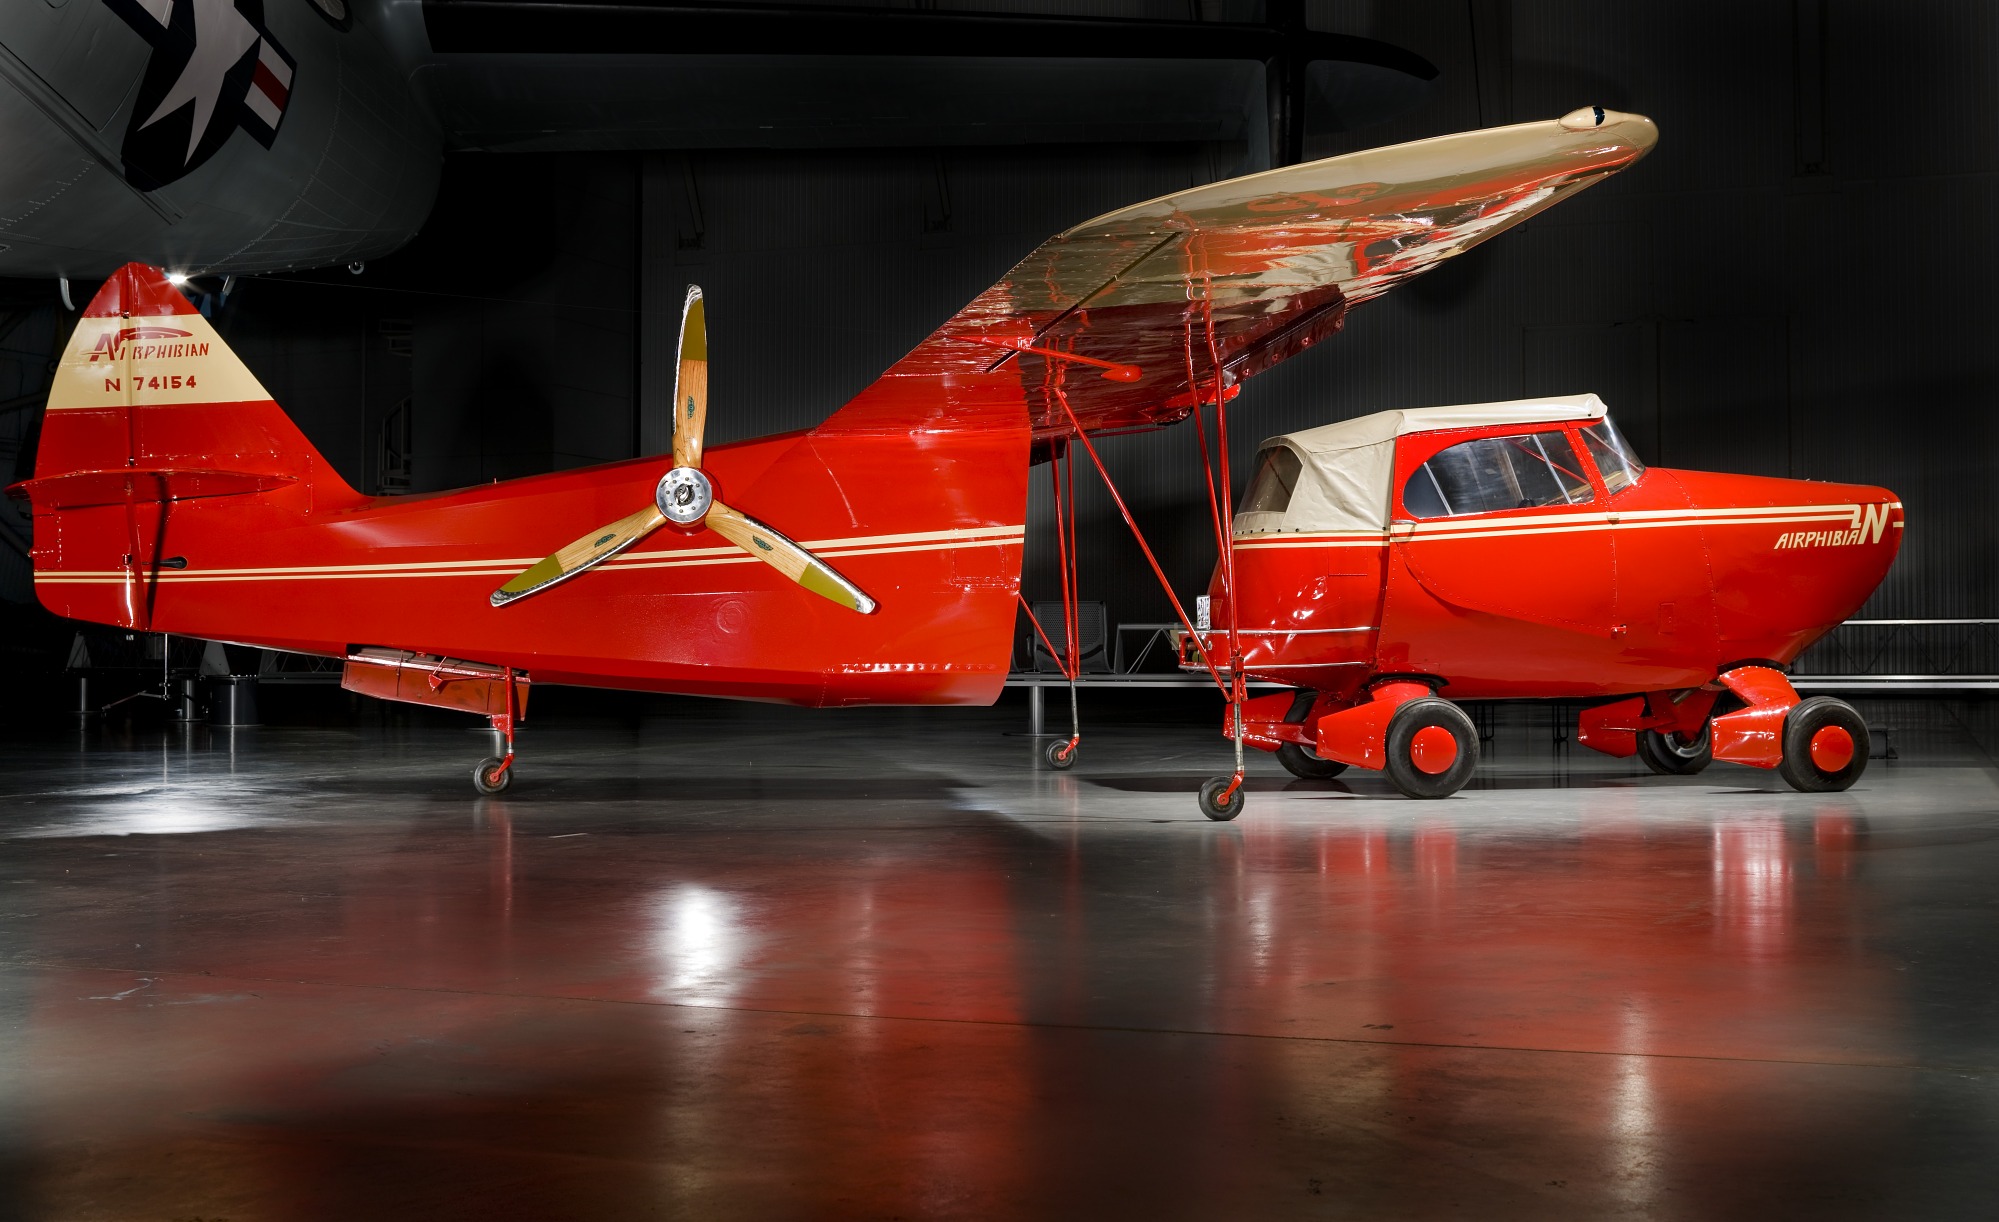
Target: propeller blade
<point x="586" y="553"/>
<point x="787" y="557"/>
<point x="690" y="384"/>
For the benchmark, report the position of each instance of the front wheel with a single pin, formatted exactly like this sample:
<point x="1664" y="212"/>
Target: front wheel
<point x="1214" y="806"/>
<point x="1306" y="764"/>
<point x="492" y="776"/>
<point x="1825" y="745"/>
<point x="1432" y="748"/>
<point x="1670" y="755"/>
<point x="1060" y="754"/>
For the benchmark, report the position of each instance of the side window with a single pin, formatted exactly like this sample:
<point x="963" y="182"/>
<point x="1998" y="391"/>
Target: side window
<point x="1619" y="467"/>
<point x="1496" y="473"/>
<point x="1276" y="476"/>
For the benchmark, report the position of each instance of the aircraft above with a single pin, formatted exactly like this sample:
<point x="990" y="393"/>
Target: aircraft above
<point x="242" y="136"/>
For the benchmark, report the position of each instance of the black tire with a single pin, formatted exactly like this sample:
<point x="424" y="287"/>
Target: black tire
<point x="1059" y="755"/>
<point x="1306" y="764"/>
<point x="1411" y="719"/>
<point x="488" y="779"/>
<point x="1211" y="799"/>
<point x="1666" y="755"/>
<point x="1803" y="724"/>
<point x="1299" y="760"/>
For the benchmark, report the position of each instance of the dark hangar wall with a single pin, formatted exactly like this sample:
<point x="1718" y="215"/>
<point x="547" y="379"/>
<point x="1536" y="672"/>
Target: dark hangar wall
<point x="1794" y="283"/>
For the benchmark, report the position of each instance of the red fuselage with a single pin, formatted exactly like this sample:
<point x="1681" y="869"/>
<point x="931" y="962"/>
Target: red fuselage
<point x="1656" y="587"/>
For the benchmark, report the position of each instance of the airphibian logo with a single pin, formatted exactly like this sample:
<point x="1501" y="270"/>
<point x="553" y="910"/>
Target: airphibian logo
<point x="152" y="360"/>
<point x="118" y="346"/>
<point x="1869" y="521"/>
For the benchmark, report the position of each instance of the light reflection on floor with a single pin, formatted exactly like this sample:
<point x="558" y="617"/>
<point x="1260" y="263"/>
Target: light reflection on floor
<point x="865" y="968"/>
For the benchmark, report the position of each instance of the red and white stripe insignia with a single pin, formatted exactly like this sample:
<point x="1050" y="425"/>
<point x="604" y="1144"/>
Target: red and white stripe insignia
<point x="270" y="85"/>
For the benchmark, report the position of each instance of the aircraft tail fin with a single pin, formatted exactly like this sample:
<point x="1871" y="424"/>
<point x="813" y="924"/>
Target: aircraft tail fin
<point x="155" y="428"/>
<point x="148" y="403"/>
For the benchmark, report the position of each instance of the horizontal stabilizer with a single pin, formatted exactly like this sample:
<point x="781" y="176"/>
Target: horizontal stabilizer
<point x="140" y="485"/>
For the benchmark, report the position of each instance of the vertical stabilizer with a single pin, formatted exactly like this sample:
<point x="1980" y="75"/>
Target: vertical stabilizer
<point x="146" y="384"/>
<point x="158" y="441"/>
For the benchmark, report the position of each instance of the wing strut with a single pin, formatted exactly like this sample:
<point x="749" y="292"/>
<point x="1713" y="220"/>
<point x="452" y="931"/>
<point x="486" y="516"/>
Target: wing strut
<point x="1221" y="797"/>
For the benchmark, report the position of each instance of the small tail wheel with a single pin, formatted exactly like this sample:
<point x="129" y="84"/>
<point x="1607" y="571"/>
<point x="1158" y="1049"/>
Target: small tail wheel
<point x="1825" y="745"/>
<point x="490" y="778"/>
<point x="1214" y="806"/>
<point x="1306" y="764"/>
<point x="1060" y="753"/>
<point x="1672" y="754"/>
<point x="1432" y="748"/>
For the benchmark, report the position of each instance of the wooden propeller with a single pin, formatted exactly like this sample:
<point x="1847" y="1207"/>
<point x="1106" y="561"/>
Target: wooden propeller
<point x="686" y="497"/>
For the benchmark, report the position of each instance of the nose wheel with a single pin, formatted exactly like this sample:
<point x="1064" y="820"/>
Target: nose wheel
<point x="1825" y="746"/>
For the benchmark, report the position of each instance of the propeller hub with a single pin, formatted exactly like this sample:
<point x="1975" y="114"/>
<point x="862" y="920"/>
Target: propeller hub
<point x="683" y="496"/>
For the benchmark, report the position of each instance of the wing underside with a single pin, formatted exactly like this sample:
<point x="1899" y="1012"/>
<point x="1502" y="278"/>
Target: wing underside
<point x="1242" y="274"/>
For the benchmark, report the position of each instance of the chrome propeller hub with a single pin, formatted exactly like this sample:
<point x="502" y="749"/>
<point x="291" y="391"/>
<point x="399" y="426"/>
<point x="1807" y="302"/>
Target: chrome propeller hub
<point x="683" y="496"/>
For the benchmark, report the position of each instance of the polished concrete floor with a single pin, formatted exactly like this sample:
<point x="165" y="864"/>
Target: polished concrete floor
<point x="875" y="965"/>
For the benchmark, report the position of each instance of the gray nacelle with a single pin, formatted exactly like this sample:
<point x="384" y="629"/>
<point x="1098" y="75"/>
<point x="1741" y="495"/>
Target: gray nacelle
<point x="311" y="148"/>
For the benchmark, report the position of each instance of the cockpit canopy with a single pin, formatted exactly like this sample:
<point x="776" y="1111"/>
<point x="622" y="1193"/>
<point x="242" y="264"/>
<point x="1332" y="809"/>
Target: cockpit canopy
<point x="1339" y="477"/>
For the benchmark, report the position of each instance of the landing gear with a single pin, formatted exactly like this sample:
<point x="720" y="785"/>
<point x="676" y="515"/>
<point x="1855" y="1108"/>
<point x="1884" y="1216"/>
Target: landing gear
<point x="1060" y="753"/>
<point x="494" y="774"/>
<point x="1221" y="798"/>
<point x="1306" y="764"/>
<point x="1431" y="748"/>
<point x="1825" y="746"/>
<point x="1668" y="753"/>
<point x="1818" y="745"/>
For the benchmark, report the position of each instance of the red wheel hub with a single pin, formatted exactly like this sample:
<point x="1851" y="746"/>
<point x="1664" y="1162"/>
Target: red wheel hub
<point x="1433" y="749"/>
<point x="1832" y="749"/>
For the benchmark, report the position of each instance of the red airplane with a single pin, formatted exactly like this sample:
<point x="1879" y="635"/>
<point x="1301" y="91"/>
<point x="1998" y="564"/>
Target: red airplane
<point x="1510" y="550"/>
<point x="171" y="494"/>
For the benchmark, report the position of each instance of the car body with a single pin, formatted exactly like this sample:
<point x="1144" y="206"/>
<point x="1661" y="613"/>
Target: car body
<point x="1520" y="549"/>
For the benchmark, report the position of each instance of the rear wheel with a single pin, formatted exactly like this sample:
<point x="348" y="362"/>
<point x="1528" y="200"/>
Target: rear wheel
<point x="1825" y="745"/>
<point x="1432" y="748"/>
<point x="492" y="776"/>
<point x="1060" y="753"/>
<point x="1306" y="764"/>
<point x="1670" y="754"/>
<point x="1213" y="805"/>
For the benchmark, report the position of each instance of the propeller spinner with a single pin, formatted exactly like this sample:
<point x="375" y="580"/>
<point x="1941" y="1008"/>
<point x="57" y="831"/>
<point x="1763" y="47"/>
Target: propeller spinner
<point x="686" y="497"/>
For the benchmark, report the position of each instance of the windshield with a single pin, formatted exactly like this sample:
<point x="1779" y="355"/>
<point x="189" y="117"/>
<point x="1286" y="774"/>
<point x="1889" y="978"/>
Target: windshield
<point x="1494" y="473"/>
<point x="1276" y="476"/>
<point x="1619" y="467"/>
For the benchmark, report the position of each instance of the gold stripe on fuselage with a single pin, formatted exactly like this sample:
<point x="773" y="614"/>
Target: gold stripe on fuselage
<point x="928" y="541"/>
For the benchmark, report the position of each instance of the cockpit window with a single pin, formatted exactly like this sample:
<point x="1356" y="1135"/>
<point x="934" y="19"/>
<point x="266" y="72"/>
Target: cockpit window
<point x="1619" y="467"/>
<point x="1276" y="476"/>
<point x="1495" y="473"/>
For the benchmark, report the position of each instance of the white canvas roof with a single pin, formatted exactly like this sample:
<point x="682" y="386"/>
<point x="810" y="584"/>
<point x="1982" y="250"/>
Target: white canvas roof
<point x="1346" y="468"/>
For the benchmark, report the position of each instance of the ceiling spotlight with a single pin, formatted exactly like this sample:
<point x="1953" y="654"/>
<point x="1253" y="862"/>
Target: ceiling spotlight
<point x="176" y="278"/>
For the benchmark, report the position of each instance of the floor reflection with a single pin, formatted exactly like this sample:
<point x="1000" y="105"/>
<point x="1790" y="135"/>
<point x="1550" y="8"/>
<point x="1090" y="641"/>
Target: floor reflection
<point x="1052" y="997"/>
